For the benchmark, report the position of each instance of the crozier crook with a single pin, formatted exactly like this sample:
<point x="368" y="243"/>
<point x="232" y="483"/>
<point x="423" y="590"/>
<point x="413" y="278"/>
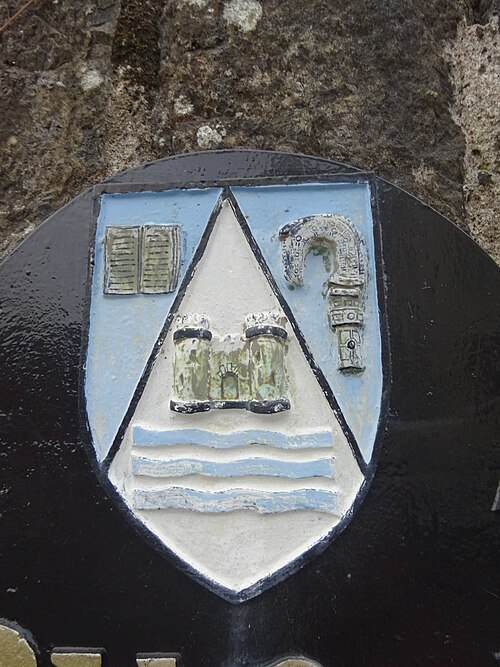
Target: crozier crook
<point x="346" y="283"/>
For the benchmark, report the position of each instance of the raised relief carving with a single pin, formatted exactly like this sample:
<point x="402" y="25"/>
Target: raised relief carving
<point x="160" y="258"/>
<point x="74" y="657"/>
<point x="232" y="439"/>
<point x="245" y="370"/>
<point x="158" y="660"/>
<point x="346" y="284"/>
<point x="14" y="647"/>
<point x="121" y="270"/>
<point x="141" y="260"/>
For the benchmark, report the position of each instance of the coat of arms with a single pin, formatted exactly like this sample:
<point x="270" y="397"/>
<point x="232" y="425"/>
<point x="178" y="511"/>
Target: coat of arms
<point x="233" y="376"/>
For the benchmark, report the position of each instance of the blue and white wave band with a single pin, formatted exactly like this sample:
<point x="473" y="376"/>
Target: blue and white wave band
<point x="258" y="466"/>
<point x="144" y="437"/>
<point x="261" y="501"/>
<point x="271" y="460"/>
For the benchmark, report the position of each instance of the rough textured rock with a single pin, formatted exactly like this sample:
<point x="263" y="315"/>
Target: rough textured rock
<point x="54" y="88"/>
<point x="91" y="88"/>
<point x="475" y="58"/>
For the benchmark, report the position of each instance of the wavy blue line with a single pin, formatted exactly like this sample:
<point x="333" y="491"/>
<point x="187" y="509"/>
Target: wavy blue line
<point x="263" y="502"/>
<point x="256" y="466"/>
<point x="144" y="437"/>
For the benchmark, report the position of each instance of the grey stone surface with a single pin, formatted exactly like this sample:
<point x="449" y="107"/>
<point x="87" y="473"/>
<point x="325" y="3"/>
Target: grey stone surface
<point x="475" y="70"/>
<point x="404" y="88"/>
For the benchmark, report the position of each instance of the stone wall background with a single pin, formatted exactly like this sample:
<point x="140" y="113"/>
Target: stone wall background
<point x="409" y="89"/>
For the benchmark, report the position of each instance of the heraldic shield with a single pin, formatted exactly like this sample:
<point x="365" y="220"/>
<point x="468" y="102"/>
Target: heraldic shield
<point x="234" y="373"/>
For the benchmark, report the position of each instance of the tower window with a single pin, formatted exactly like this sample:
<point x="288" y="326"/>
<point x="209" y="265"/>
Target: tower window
<point x="229" y="387"/>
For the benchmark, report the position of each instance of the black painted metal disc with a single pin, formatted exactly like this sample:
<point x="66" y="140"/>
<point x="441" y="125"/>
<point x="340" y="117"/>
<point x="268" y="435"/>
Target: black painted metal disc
<point x="412" y="579"/>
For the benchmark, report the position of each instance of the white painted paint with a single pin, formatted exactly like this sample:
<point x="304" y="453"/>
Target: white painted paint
<point x="244" y="14"/>
<point x="239" y="548"/>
